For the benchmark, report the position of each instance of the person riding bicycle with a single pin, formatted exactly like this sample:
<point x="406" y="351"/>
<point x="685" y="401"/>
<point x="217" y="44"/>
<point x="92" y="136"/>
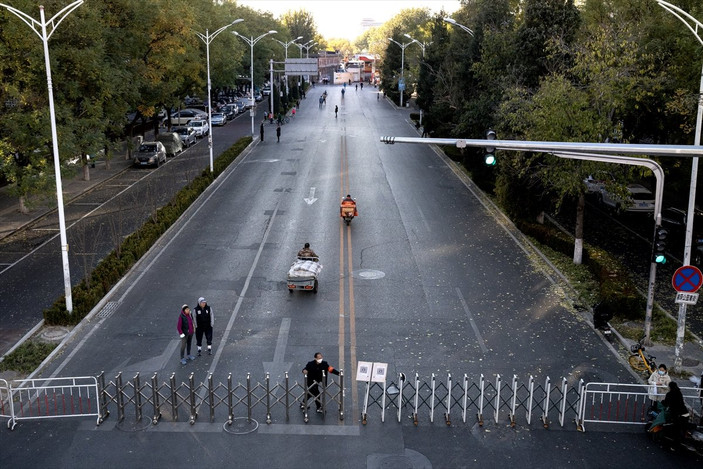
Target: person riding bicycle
<point x="348" y="201"/>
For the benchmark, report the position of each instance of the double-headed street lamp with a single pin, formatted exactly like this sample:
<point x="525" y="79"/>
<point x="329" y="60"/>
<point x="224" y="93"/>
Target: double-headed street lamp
<point x="251" y="41"/>
<point x="453" y="21"/>
<point x="286" y="44"/>
<point x="401" y="82"/>
<point x="207" y="39"/>
<point x="40" y="29"/>
<point x="421" y="44"/>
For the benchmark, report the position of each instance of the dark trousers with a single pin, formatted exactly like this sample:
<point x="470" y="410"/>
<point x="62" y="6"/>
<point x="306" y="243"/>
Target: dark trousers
<point x="185" y="343"/>
<point x="199" y="335"/>
<point x="314" y="392"/>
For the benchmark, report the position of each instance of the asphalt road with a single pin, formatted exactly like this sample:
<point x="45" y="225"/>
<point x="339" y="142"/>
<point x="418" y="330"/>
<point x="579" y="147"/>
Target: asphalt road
<point x="426" y="279"/>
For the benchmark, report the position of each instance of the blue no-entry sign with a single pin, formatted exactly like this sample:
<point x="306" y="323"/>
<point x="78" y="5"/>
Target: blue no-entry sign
<point x="687" y="279"/>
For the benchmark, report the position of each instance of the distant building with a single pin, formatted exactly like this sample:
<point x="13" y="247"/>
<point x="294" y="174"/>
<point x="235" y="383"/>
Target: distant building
<point x="368" y="23"/>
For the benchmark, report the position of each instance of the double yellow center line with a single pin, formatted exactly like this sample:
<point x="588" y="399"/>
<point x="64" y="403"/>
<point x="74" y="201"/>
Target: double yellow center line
<point x="345" y="273"/>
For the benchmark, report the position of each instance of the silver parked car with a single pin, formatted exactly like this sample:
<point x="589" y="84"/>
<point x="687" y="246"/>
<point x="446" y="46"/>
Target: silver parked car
<point x="218" y="118"/>
<point x="150" y="154"/>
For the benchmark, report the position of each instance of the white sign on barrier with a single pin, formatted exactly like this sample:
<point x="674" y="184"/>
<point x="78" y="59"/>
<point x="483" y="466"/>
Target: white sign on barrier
<point x="363" y="371"/>
<point x="379" y="372"/>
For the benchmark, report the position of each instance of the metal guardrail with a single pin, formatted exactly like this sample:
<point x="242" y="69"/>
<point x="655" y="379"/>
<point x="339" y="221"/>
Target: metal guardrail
<point x="499" y="399"/>
<point x="230" y="401"/>
<point x="482" y="398"/>
<point x="625" y="404"/>
<point x="34" y="399"/>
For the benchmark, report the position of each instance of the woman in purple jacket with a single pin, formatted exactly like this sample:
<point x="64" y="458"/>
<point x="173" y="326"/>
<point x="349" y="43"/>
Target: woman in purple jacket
<point x="185" y="330"/>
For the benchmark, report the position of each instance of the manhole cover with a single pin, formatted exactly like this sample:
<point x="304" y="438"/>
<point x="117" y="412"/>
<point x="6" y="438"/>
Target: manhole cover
<point x="240" y="426"/>
<point x="369" y="274"/>
<point x="54" y="333"/>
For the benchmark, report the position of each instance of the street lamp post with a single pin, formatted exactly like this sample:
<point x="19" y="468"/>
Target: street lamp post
<point x="421" y="44"/>
<point x="286" y="44"/>
<point x="40" y="29"/>
<point x="307" y="47"/>
<point x="251" y="41"/>
<point x="207" y="39"/>
<point x="453" y="21"/>
<point x="681" y="322"/>
<point x="401" y="83"/>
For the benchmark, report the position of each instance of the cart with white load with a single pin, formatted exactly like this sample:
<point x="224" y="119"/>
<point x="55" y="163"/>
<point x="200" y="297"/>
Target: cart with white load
<point x="302" y="275"/>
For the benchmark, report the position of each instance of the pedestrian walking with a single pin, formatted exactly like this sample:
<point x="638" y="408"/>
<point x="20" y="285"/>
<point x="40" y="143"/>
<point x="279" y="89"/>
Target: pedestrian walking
<point x="316" y="372"/>
<point x="270" y="117"/>
<point x="204" y="322"/>
<point x="185" y="330"/>
<point x="278" y="133"/>
<point x="362" y="86"/>
<point x="261" y="131"/>
<point x="335" y="111"/>
<point x="356" y="87"/>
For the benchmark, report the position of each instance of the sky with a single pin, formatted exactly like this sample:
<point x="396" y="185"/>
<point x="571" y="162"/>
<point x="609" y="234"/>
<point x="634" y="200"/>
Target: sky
<point x="342" y="18"/>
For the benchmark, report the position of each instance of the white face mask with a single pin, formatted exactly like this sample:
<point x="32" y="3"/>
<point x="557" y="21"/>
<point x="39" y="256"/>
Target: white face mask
<point x="318" y="360"/>
<point x="661" y="372"/>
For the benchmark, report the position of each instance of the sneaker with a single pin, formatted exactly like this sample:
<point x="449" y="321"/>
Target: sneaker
<point x="303" y="407"/>
<point x="209" y="351"/>
<point x="183" y="361"/>
<point x="319" y="411"/>
<point x="191" y="357"/>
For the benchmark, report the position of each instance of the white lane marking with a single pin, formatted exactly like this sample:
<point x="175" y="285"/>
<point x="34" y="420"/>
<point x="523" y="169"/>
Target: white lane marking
<point x="481" y="343"/>
<point x="278" y="367"/>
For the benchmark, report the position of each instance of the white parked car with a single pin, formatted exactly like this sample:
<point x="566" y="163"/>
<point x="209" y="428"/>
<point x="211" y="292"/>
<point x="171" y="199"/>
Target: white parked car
<point x="201" y="127"/>
<point x="641" y="200"/>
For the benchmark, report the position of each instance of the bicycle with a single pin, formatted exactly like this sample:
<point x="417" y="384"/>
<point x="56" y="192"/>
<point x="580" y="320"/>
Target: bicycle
<point x="638" y="360"/>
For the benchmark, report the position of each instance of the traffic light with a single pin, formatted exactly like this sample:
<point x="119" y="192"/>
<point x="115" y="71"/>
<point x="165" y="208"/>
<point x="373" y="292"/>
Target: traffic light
<point x="659" y="246"/>
<point x="490" y="157"/>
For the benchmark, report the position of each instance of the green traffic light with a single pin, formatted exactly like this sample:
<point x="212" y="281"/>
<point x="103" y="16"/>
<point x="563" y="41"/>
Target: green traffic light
<point x="490" y="160"/>
<point x="660" y="258"/>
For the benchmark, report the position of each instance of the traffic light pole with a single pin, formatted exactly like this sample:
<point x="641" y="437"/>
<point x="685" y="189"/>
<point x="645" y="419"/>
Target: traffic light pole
<point x="601" y="152"/>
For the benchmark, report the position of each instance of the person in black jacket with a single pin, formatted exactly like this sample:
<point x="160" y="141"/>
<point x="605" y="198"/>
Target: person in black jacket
<point x="315" y="370"/>
<point x="204" y="321"/>
<point x="678" y="411"/>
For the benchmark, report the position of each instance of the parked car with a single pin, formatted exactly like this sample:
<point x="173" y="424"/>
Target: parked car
<point x="641" y="200"/>
<point x="230" y="111"/>
<point x="150" y="154"/>
<point x="201" y="127"/>
<point x="187" y="135"/>
<point x="258" y="97"/>
<point x="243" y="104"/>
<point x="218" y="118"/>
<point x="172" y="142"/>
<point x="674" y="219"/>
<point x="184" y="116"/>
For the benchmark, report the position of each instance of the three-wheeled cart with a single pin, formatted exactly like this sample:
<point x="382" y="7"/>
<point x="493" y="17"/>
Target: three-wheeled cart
<point x="302" y="275"/>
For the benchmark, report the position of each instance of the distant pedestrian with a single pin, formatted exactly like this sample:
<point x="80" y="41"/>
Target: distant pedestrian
<point x="356" y="87"/>
<point x="261" y="131"/>
<point x="362" y="86"/>
<point x="270" y="117"/>
<point x="185" y="330"/>
<point x="292" y="111"/>
<point x="278" y="133"/>
<point x="204" y="322"/>
<point x="335" y="111"/>
<point x="316" y="372"/>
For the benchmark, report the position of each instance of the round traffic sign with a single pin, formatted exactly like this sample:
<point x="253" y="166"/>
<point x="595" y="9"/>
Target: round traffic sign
<point x="687" y="279"/>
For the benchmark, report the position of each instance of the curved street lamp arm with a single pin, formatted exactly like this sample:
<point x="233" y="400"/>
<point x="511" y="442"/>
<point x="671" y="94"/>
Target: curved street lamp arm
<point x="51" y="24"/>
<point x="453" y="21"/>
<point x="680" y="14"/>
